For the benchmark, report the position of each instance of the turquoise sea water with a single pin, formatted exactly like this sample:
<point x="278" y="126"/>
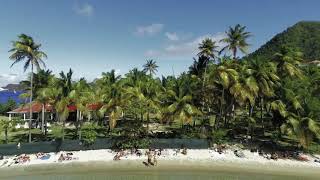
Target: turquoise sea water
<point x="98" y="172"/>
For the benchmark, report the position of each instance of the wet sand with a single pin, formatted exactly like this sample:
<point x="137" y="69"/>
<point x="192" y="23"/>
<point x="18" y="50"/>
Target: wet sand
<point x="182" y="168"/>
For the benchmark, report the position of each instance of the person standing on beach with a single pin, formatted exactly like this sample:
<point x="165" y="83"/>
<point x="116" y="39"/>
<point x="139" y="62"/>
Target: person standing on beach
<point x="155" y="161"/>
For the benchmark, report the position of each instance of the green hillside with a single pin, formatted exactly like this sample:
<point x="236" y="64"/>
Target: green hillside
<point x="303" y="36"/>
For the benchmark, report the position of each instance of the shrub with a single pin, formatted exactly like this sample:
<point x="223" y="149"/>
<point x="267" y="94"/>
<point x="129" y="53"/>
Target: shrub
<point x="220" y="136"/>
<point x="89" y="133"/>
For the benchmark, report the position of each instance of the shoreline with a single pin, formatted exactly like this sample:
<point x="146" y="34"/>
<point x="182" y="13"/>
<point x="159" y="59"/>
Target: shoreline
<point x="196" y="159"/>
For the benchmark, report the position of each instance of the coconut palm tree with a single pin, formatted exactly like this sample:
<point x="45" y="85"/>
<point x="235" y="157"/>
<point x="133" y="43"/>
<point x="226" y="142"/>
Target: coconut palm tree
<point x="151" y="67"/>
<point x="82" y="96"/>
<point x="179" y="103"/>
<point x="305" y="129"/>
<point x="114" y="102"/>
<point x="49" y="96"/>
<point x="265" y="74"/>
<point x="145" y="93"/>
<point x="223" y="76"/>
<point x="208" y="49"/>
<point x="236" y="40"/>
<point x="25" y="49"/>
<point x="288" y="62"/>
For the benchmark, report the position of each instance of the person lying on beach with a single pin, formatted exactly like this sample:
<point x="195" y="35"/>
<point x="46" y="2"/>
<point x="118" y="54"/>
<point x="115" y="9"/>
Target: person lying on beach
<point x="239" y="154"/>
<point x="184" y="151"/>
<point x="221" y="149"/>
<point x="39" y="155"/>
<point x="302" y="158"/>
<point x="22" y="159"/>
<point x="274" y="156"/>
<point x="138" y="152"/>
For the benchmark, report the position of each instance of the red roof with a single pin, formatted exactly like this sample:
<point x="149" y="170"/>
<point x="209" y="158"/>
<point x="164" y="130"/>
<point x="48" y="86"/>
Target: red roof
<point x="36" y="108"/>
<point x="94" y="106"/>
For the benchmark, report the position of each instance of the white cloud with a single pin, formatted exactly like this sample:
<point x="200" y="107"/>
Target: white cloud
<point x="10" y="79"/>
<point x="172" y="36"/>
<point x="149" y="30"/>
<point x="85" y="9"/>
<point x="152" y="53"/>
<point x="188" y="48"/>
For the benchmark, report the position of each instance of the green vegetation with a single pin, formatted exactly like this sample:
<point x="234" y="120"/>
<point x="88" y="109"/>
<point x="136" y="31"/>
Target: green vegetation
<point x="8" y="106"/>
<point x="303" y="36"/>
<point x="272" y="97"/>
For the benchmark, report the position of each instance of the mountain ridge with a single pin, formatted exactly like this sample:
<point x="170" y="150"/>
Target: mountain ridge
<point x="303" y="36"/>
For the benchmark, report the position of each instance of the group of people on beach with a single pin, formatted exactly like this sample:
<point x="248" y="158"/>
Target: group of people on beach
<point x="272" y="155"/>
<point x="152" y="157"/>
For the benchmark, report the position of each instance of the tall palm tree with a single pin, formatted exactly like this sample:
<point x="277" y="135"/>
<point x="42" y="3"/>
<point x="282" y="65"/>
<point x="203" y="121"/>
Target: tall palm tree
<point x="49" y="95"/>
<point x="82" y="96"/>
<point x="266" y="76"/>
<point x="208" y="49"/>
<point x="236" y="40"/>
<point x="151" y="67"/>
<point x="145" y="93"/>
<point x="25" y="49"/>
<point x="223" y="76"/>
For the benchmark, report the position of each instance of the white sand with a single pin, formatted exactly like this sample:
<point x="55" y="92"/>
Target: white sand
<point x="193" y="156"/>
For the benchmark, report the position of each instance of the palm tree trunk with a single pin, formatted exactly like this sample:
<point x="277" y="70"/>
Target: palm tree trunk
<point x="6" y="135"/>
<point x="77" y="121"/>
<point x="79" y="130"/>
<point x="31" y="94"/>
<point x="148" y="120"/>
<point x="234" y="53"/>
<point x="42" y="118"/>
<point x="261" y="116"/>
<point x="221" y="110"/>
<point x="63" y="125"/>
<point x="203" y="83"/>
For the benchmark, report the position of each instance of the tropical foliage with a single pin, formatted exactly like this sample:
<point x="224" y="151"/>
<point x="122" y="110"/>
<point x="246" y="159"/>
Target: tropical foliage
<point x="219" y="96"/>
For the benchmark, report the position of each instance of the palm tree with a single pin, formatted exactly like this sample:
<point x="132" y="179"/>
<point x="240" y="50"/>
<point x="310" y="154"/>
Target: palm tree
<point x="288" y="62"/>
<point x="65" y="82"/>
<point x="145" y="93"/>
<point x="114" y="103"/>
<point x="236" y="40"/>
<point x="304" y="129"/>
<point x="179" y="103"/>
<point x="82" y="96"/>
<point x="223" y="75"/>
<point x="151" y="67"/>
<point x="208" y="49"/>
<point x="49" y="96"/>
<point x="266" y="76"/>
<point x="25" y="49"/>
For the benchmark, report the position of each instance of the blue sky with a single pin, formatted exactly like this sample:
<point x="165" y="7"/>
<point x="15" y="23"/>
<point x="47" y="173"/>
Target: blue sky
<point x="94" y="36"/>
